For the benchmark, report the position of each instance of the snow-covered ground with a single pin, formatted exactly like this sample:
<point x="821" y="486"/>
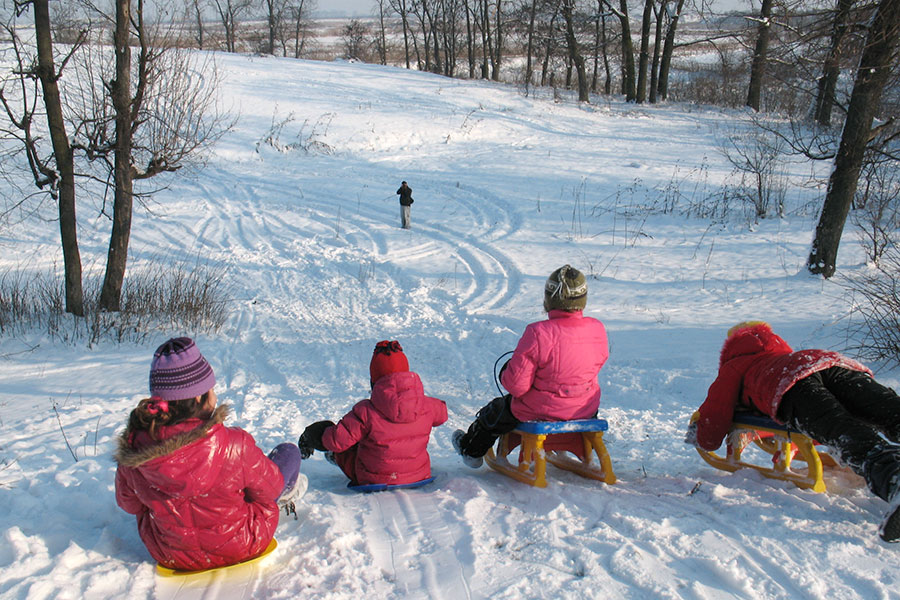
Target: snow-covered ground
<point x="507" y="188"/>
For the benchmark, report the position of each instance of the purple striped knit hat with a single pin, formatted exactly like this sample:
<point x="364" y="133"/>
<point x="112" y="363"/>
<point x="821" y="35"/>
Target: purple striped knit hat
<point x="179" y="371"/>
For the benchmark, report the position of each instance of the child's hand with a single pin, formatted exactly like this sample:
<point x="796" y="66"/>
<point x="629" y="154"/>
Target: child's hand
<point x="311" y="439"/>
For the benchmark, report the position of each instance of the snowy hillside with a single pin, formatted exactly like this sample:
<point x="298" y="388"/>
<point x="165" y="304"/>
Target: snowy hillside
<point x="506" y="188"/>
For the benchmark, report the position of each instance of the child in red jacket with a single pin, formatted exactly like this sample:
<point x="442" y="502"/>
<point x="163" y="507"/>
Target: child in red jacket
<point x="383" y="439"/>
<point x="204" y="494"/>
<point x="827" y="396"/>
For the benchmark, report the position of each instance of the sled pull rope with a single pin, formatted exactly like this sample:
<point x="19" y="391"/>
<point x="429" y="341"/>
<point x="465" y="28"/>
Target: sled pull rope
<point x="496" y="376"/>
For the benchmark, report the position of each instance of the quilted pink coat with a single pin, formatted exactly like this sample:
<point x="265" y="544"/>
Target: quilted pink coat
<point x="552" y="374"/>
<point x="204" y="495"/>
<point x="390" y="432"/>
<point x="756" y="368"/>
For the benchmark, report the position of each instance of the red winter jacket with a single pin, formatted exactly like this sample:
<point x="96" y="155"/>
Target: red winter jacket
<point x="756" y="368"/>
<point x="390" y="431"/>
<point x="552" y="374"/>
<point x="204" y="495"/>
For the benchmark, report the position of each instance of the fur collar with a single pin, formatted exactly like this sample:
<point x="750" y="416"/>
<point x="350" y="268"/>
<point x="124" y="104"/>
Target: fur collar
<point x="127" y="456"/>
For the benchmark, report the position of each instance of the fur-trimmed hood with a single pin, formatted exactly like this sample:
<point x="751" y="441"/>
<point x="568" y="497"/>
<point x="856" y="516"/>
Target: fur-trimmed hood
<point x="174" y="438"/>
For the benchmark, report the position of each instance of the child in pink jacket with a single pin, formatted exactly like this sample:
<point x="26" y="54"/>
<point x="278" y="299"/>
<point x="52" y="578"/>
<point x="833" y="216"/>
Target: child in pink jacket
<point x="383" y="439"/>
<point x="552" y="375"/>
<point x="204" y="494"/>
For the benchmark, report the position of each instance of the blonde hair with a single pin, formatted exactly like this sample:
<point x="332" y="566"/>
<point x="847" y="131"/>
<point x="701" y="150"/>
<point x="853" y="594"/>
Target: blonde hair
<point x="744" y="325"/>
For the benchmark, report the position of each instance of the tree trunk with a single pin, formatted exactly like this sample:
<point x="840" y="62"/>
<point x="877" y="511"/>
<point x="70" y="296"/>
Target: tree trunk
<point x="665" y="60"/>
<point x="485" y="40"/>
<point x="831" y="70"/>
<point x="574" y="54"/>
<point x="470" y="40"/>
<point x="198" y="13"/>
<point x="644" y="58"/>
<point x="657" y="46"/>
<point x="498" y="46"/>
<point x="120" y="94"/>
<point x="271" y="22"/>
<point x="62" y="152"/>
<point x="628" y="83"/>
<point x="871" y="77"/>
<point x="758" y="66"/>
<point x="529" y="49"/>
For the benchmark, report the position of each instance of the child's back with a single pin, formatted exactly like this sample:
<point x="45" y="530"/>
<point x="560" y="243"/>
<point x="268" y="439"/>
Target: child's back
<point x="391" y="429"/>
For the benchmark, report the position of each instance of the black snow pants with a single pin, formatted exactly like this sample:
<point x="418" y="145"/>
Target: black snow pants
<point x="492" y="421"/>
<point x="851" y="414"/>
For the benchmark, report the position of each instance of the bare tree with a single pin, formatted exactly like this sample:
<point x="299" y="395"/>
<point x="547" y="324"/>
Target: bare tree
<point x="140" y="117"/>
<point x="56" y="171"/>
<point x="354" y="36"/>
<point x="628" y="75"/>
<point x="400" y="7"/>
<point x="825" y="97"/>
<point x="758" y="65"/>
<point x="875" y="66"/>
<point x="300" y="29"/>
<point x="568" y="10"/>
<point x="665" y="59"/>
<point x="381" y="7"/>
<point x="230" y="13"/>
<point x="644" y="55"/>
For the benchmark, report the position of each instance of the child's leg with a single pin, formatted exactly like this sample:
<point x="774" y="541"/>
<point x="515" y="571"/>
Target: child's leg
<point x="491" y="422"/>
<point x="346" y="460"/>
<point x="287" y="458"/>
<point x="814" y="410"/>
<point x="865" y="398"/>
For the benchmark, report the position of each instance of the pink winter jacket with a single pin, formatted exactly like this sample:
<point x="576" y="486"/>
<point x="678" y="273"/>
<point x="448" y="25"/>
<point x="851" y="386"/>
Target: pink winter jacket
<point x="552" y="374"/>
<point x="390" y="431"/>
<point x="756" y="368"/>
<point x="204" y="495"/>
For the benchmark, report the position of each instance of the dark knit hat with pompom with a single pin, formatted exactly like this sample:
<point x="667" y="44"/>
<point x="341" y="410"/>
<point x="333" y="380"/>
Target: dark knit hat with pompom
<point x="566" y="289"/>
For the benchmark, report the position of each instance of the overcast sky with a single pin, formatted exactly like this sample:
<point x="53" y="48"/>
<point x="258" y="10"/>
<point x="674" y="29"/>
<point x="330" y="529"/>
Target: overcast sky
<point x="346" y="7"/>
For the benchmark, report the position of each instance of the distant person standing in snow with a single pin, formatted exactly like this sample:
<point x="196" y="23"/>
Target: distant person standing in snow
<point x="406" y="200"/>
<point x="204" y="495"/>
<point x="383" y="439"/>
<point x="552" y="375"/>
<point x="827" y="396"/>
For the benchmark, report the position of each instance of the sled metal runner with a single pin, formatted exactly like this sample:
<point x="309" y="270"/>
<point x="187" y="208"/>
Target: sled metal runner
<point x="533" y="458"/>
<point x="785" y="446"/>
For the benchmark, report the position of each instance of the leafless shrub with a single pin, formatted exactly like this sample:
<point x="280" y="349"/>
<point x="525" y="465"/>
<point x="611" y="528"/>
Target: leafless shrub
<point x="162" y="295"/>
<point x="874" y="319"/>
<point x="755" y="157"/>
<point x="877" y="216"/>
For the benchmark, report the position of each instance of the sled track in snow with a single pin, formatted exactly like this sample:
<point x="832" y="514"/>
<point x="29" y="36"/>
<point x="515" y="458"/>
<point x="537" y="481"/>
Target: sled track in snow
<point x="400" y="525"/>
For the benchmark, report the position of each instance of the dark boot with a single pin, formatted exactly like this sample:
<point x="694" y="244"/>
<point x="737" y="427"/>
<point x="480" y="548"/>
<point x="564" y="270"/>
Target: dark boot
<point x="882" y="473"/>
<point x="492" y="421"/>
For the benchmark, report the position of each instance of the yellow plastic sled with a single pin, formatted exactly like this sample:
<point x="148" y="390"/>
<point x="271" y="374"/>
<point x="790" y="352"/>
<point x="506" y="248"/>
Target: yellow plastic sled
<point x="784" y="446"/>
<point x="163" y="571"/>
<point x="533" y="457"/>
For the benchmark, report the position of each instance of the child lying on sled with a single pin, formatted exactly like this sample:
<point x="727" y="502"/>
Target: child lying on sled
<point x="383" y="439"/>
<point x="552" y="375"/>
<point x="205" y="495"/>
<point x="827" y="396"/>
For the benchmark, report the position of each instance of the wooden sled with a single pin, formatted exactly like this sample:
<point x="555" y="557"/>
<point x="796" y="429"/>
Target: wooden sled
<point x="783" y="445"/>
<point x="381" y="487"/>
<point x="533" y="458"/>
<point x="164" y="571"/>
